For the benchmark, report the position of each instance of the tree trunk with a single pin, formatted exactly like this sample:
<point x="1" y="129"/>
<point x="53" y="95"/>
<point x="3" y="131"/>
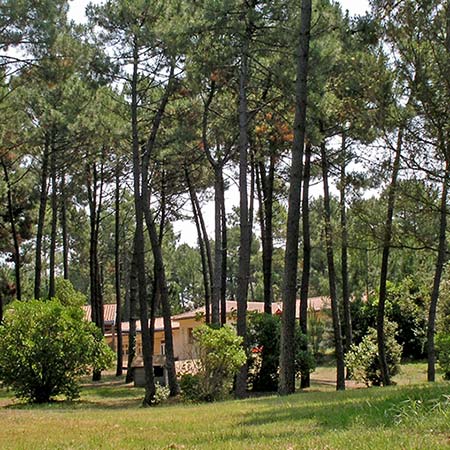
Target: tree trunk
<point x="266" y="206"/>
<point x="217" y="281"/>
<point x="387" y="238"/>
<point x="344" y="250"/>
<point x="440" y="261"/>
<point x="133" y="299"/>
<point x="287" y="350"/>
<point x="201" y="243"/>
<point x="14" y="234"/>
<point x="95" y="193"/>
<point x="41" y="221"/>
<point x="223" y="226"/>
<point x="54" y="223"/>
<point x="304" y="287"/>
<point x="147" y="339"/>
<point x="340" y="379"/>
<point x="442" y="247"/>
<point x="155" y="240"/>
<point x="244" y="222"/>
<point x="117" y="275"/>
<point x="65" y="238"/>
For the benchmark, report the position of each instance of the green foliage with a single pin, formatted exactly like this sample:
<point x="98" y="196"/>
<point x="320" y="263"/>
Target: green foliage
<point x="67" y="294"/>
<point x="443" y="350"/>
<point x="221" y="356"/>
<point x="406" y="305"/>
<point x="363" y="362"/>
<point x="162" y="393"/>
<point x="264" y="338"/>
<point x="45" y="347"/>
<point x="190" y="387"/>
<point x="264" y="334"/>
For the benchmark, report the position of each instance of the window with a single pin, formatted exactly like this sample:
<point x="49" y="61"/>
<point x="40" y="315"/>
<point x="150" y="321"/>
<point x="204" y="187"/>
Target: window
<point x="162" y="348"/>
<point x="190" y="336"/>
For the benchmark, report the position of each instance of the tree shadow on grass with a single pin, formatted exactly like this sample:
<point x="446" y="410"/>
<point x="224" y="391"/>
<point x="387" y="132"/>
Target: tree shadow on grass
<point x="100" y="395"/>
<point x="373" y="407"/>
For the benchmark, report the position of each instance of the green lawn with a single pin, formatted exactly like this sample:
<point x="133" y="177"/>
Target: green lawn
<point x="109" y="416"/>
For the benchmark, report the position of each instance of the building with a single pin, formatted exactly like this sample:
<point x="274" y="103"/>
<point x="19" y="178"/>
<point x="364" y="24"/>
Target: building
<point x="183" y="325"/>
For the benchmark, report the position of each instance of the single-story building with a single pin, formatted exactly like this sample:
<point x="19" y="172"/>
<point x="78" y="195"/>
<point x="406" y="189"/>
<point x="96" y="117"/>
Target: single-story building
<point x="183" y="325"/>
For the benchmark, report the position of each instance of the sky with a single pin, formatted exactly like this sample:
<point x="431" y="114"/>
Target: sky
<point x="186" y="229"/>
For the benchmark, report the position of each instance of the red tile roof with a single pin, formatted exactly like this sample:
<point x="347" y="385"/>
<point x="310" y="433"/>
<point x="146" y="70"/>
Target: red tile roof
<point x="159" y="325"/>
<point x="315" y="303"/>
<point x="109" y="313"/>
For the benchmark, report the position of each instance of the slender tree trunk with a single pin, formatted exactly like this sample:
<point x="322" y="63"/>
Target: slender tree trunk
<point x="442" y="248"/>
<point x="65" y="238"/>
<point x="95" y="193"/>
<point x="262" y="229"/>
<point x="155" y="240"/>
<point x="387" y="238"/>
<point x="340" y="379"/>
<point x="41" y="220"/>
<point x="117" y="275"/>
<point x="133" y="308"/>
<point x="344" y="250"/>
<point x="217" y="281"/>
<point x="54" y="223"/>
<point x="207" y="250"/>
<point x="266" y="206"/>
<point x="223" y="226"/>
<point x="440" y="261"/>
<point x="304" y="287"/>
<point x="287" y="350"/>
<point x="147" y="339"/>
<point x="201" y="244"/>
<point x="15" y="236"/>
<point x="244" y="222"/>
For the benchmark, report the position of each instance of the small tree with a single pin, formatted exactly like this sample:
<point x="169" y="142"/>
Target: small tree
<point x="221" y="355"/>
<point x="363" y="361"/>
<point x="45" y="347"/>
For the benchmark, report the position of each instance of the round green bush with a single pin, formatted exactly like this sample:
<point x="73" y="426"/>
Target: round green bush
<point x="45" y="347"/>
<point x="221" y="355"/>
<point x="363" y="362"/>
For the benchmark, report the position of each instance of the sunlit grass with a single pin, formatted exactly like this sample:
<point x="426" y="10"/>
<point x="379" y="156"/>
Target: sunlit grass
<point x="109" y="416"/>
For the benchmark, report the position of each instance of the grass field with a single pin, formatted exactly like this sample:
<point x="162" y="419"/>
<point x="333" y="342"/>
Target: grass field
<point x="109" y="416"/>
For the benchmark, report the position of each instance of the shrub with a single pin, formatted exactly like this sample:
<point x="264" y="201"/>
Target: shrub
<point x="162" y="393"/>
<point x="190" y="387"/>
<point x="45" y="347"/>
<point x="363" y="362"/>
<point x="443" y="353"/>
<point x="221" y="355"/>
<point x="406" y="305"/>
<point x="264" y="337"/>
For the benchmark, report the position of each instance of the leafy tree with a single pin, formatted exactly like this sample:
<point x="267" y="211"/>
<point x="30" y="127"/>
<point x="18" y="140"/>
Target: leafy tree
<point x="363" y="359"/>
<point x="220" y="355"/>
<point x="45" y="347"/>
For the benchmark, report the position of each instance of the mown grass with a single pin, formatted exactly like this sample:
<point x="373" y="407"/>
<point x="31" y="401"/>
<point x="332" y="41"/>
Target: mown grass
<point x="109" y="416"/>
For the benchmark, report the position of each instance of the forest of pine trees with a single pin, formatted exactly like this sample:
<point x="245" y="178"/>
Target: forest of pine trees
<point x="334" y="129"/>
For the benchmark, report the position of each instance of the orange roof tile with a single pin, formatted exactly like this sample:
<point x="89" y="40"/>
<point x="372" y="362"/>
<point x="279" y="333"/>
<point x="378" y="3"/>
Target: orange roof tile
<point x="315" y="303"/>
<point x="109" y="313"/>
